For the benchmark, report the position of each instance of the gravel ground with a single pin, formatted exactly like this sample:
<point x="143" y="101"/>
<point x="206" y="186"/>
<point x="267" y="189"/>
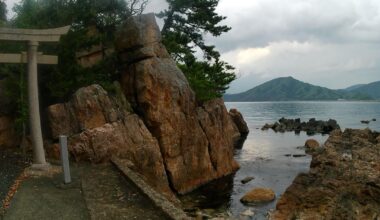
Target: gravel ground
<point x="12" y="163"/>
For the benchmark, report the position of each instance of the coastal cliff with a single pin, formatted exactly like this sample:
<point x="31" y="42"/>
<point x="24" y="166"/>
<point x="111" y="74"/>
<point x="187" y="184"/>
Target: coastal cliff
<point x="175" y="143"/>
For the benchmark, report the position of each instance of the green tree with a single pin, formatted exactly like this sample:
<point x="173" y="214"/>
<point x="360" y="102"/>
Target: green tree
<point x="3" y="12"/>
<point x="185" y="24"/>
<point x="93" y="22"/>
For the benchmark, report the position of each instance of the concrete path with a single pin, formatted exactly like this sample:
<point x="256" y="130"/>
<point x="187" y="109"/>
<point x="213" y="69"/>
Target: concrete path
<point x="110" y="196"/>
<point x="47" y="198"/>
<point x="97" y="192"/>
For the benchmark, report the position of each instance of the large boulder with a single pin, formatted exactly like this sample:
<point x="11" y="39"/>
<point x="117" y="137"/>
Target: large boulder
<point x="100" y="127"/>
<point x="90" y="107"/>
<point x="196" y="142"/>
<point x="239" y="121"/>
<point x="259" y="195"/>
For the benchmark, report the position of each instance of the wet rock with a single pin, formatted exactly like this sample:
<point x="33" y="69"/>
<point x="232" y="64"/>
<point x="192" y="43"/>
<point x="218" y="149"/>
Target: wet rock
<point x="248" y="213"/>
<point x="374" y="119"/>
<point x="343" y="181"/>
<point x="365" y="122"/>
<point x="247" y="179"/>
<point x="196" y="141"/>
<point x="311" y="127"/>
<point x="311" y="145"/>
<point x="100" y="126"/>
<point x="239" y="121"/>
<point x="299" y="155"/>
<point x="258" y="195"/>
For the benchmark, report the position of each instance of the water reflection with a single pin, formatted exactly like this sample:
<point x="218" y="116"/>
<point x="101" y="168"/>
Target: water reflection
<point x="262" y="155"/>
<point x="240" y="143"/>
<point x="215" y="195"/>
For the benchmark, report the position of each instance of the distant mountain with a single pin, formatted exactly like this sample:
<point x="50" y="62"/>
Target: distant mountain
<point x="354" y="87"/>
<point x="371" y="89"/>
<point x="290" y="89"/>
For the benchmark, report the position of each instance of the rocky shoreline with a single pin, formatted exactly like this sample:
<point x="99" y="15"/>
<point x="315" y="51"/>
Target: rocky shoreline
<point x="311" y="127"/>
<point x="343" y="181"/>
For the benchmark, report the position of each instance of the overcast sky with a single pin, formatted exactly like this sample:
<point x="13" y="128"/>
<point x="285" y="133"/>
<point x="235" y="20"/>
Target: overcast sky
<point x="331" y="43"/>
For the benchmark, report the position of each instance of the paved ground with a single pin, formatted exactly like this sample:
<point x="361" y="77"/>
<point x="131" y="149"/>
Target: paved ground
<point x="113" y="197"/>
<point x="97" y="192"/>
<point x="12" y="163"/>
<point x="47" y="198"/>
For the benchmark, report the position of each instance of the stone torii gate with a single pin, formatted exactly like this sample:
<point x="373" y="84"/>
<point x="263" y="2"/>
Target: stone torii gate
<point x="32" y="57"/>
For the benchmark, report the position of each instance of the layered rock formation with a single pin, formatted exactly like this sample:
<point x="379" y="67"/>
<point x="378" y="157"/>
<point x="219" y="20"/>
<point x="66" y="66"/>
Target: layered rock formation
<point x="170" y="139"/>
<point x="343" y="182"/>
<point x="100" y="126"/>
<point x="196" y="142"/>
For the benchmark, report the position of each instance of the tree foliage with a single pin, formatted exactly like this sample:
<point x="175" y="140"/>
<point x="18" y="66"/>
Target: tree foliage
<point x="3" y="12"/>
<point x="93" y="22"/>
<point x="185" y="24"/>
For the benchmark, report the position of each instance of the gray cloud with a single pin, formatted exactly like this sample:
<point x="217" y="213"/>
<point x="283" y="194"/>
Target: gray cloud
<point x="259" y="22"/>
<point x="332" y="43"/>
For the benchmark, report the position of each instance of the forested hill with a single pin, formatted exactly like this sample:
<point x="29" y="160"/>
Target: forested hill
<point x="290" y="89"/>
<point x="371" y="89"/>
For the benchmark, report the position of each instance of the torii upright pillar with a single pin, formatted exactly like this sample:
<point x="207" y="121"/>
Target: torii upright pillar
<point x="34" y="108"/>
<point x="33" y="37"/>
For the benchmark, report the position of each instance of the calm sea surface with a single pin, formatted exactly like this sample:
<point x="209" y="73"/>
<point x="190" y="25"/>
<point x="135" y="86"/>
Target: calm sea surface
<point x="263" y="153"/>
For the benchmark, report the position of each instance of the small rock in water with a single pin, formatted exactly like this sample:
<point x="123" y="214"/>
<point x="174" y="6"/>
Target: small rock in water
<point x="247" y="179"/>
<point x="287" y="155"/>
<point x="311" y="145"/>
<point x="299" y="155"/>
<point x="374" y="119"/>
<point x="248" y="212"/>
<point x="258" y="195"/>
<point x="364" y="122"/>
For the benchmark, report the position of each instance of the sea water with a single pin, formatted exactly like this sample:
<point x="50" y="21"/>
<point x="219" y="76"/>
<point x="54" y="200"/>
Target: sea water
<point x="269" y="157"/>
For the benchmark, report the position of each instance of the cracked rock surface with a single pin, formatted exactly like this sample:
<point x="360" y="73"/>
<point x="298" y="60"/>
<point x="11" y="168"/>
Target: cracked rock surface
<point x="343" y="182"/>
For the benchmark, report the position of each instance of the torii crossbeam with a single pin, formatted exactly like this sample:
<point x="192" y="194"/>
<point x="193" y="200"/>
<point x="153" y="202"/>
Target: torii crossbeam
<point x="32" y="57"/>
